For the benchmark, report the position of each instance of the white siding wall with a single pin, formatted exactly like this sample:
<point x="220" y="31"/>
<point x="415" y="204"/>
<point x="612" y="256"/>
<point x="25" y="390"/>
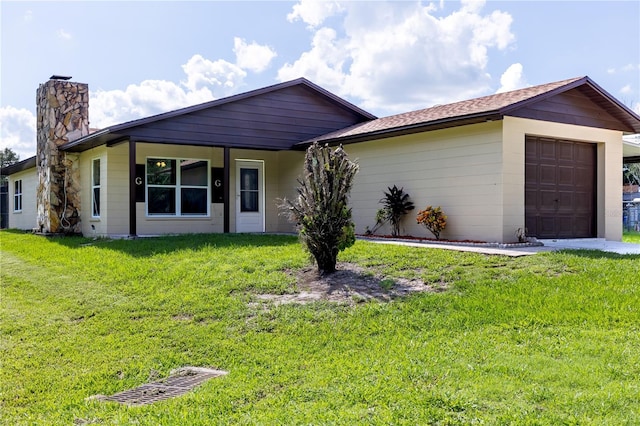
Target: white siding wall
<point x="27" y="218"/>
<point x="290" y="169"/>
<point x="115" y="190"/>
<point x="280" y="172"/>
<point x="458" y="169"/>
<point x="86" y="160"/>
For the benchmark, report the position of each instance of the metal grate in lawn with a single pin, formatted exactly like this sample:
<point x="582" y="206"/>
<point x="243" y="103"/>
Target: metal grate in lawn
<point x="178" y="383"/>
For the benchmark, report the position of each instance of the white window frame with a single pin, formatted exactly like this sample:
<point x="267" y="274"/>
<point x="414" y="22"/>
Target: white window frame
<point x="178" y="188"/>
<point x="95" y="186"/>
<point x="17" y="195"/>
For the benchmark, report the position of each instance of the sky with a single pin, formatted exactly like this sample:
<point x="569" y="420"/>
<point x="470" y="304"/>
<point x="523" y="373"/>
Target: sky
<point x="142" y="58"/>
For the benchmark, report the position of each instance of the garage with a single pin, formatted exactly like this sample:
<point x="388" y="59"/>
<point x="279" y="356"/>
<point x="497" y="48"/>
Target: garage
<point x="560" y="188"/>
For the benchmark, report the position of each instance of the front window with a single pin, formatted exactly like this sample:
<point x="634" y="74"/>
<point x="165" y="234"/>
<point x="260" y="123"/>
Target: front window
<point x="17" y="196"/>
<point x="95" y="188"/>
<point x="177" y="187"/>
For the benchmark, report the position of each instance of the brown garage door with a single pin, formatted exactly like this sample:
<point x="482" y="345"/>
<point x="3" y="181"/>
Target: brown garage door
<point x="560" y="188"/>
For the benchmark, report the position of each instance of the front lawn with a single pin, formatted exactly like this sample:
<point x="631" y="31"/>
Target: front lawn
<point x="545" y="339"/>
<point x="631" y="237"/>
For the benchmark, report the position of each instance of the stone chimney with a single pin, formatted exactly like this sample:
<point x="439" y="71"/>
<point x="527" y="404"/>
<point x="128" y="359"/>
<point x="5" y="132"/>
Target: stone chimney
<point x="62" y="116"/>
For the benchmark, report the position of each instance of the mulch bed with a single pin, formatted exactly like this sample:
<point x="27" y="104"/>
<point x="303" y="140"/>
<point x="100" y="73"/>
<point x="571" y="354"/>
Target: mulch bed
<point x="477" y="243"/>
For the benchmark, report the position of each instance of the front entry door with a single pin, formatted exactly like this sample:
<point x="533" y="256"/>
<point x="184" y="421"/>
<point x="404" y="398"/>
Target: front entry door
<point x="249" y="196"/>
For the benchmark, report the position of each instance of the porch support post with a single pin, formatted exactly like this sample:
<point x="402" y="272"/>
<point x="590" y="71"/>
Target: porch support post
<point x="226" y="189"/>
<point x="132" y="188"/>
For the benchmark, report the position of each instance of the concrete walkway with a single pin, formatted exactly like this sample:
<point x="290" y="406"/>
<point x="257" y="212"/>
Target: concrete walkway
<point x="548" y="245"/>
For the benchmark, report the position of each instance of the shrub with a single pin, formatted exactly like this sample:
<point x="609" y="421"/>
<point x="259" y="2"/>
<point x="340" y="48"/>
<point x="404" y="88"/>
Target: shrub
<point x="381" y="219"/>
<point x="321" y="212"/>
<point x="433" y="219"/>
<point x="396" y="205"/>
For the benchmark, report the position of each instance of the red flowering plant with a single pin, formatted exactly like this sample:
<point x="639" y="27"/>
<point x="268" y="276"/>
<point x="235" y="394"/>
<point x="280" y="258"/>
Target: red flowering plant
<point x="433" y="219"/>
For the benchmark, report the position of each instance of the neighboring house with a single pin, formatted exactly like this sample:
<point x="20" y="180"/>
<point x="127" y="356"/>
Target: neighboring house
<point x="547" y="158"/>
<point x="631" y="148"/>
<point x="631" y="193"/>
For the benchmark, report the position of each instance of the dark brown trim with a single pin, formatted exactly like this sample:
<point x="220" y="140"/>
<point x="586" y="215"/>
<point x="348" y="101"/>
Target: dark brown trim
<point x="132" y="188"/>
<point x="192" y="142"/>
<point x="118" y="141"/>
<point x="629" y="160"/>
<point x="20" y="166"/>
<point x="227" y="189"/>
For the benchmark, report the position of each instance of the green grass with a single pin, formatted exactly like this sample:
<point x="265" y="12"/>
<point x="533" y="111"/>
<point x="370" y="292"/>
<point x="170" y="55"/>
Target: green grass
<point x="631" y="237"/>
<point x="547" y="339"/>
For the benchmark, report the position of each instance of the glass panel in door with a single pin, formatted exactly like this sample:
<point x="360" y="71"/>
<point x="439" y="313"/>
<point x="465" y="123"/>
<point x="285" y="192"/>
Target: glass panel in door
<point x="249" y="193"/>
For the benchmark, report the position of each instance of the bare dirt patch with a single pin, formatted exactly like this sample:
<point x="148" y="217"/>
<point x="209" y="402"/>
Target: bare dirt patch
<point x="349" y="284"/>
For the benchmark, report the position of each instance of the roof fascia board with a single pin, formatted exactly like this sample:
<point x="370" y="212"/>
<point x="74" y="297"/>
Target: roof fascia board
<point x="542" y="96"/>
<point x="240" y="96"/>
<point x="120" y="140"/>
<point x="612" y="99"/>
<point x="189" y="142"/>
<point x="410" y="129"/>
<point x="569" y="86"/>
<point x="20" y="166"/>
<point x="69" y="146"/>
<point x="336" y="99"/>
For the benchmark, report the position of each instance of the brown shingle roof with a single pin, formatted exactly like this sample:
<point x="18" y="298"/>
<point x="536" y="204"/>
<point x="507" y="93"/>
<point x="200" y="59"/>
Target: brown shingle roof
<point x="459" y="111"/>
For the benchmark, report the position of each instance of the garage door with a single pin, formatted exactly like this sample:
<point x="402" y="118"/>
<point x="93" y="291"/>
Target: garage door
<point x="560" y="191"/>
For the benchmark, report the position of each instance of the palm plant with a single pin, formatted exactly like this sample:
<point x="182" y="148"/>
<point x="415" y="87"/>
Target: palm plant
<point x="396" y="204"/>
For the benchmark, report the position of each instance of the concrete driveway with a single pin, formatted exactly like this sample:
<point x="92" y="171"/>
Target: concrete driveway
<point x="593" y="244"/>
<point x="515" y="251"/>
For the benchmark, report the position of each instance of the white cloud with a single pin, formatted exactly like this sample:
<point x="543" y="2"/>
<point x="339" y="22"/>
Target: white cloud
<point x="28" y="16"/>
<point x="220" y="74"/>
<point x="254" y="57"/>
<point x="399" y="56"/>
<point x="626" y="89"/>
<point x="18" y="131"/>
<point x="204" y="81"/>
<point x="314" y="12"/>
<point x="324" y="63"/>
<point x="142" y="100"/>
<point x="624" y="68"/>
<point x="473" y="6"/>
<point x="630" y="67"/>
<point x="512" y="79"/>
<point x="64" y="35"/>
